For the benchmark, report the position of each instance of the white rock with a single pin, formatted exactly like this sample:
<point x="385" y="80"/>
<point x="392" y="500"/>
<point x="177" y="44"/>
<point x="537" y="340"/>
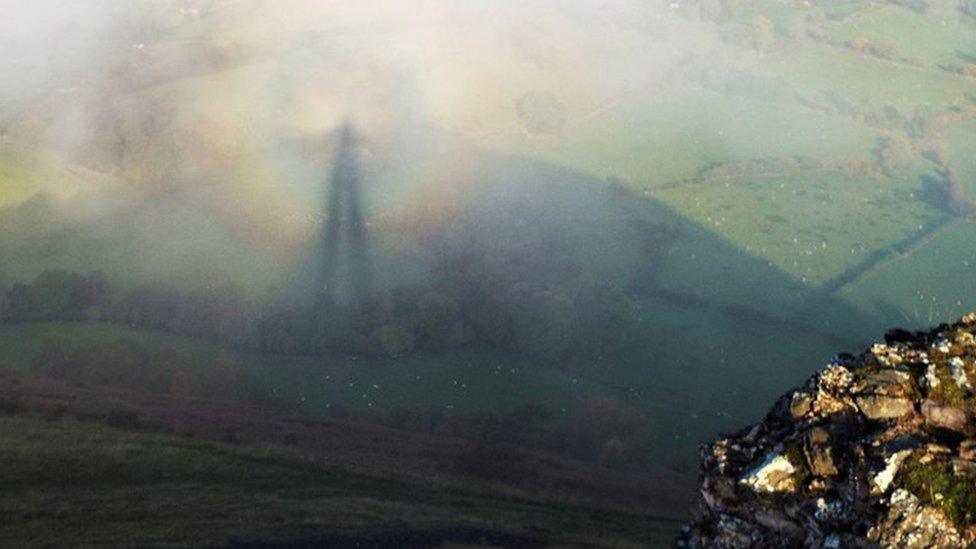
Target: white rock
<point x="774" y="474"/>
<point x="882" y="481"/>
<point x="901" y="495"/>
<point x="931" y="379"/>
<point x="827" y="511"/>
<point x="956" y="368"/>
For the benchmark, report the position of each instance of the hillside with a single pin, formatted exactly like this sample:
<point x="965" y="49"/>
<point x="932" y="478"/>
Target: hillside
<point x="114" y="468"/>
<point x="585" y="238"/>
<point x="876" y="449"/>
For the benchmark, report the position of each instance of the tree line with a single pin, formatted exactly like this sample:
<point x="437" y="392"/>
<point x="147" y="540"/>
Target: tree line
<point x="466" y="302"/>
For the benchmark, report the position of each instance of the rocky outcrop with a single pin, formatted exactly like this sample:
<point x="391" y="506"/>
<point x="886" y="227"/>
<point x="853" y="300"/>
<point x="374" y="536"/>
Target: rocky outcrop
<point x="874" y="450"/>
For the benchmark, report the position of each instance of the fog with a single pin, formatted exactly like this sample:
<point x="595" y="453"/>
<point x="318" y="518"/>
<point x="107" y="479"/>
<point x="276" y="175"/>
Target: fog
<point x="299" y="69"/>
<point x="685" y="207"/>
<point x="240" y="98"/>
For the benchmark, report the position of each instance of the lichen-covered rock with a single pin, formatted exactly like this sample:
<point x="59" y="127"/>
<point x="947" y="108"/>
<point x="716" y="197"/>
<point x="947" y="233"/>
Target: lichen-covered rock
<point x="909" y="523"/>
<point x="882" y="481"/>
<point x="774" y="474"/>
<point x="883" y="407"/>
<point x="885" y="394"/>
<point x="944" y="416"/>
<point x="967" y="449"/>
<point x="819" y="452"/>
<point x="874" y="450"/>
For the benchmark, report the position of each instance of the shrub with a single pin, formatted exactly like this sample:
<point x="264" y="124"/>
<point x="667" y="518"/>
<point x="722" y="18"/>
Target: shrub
<point x="115" y="364"/>
<point x="894" y="152"/>
<point x="411" y="418"/>
<point x="439" y="322"/>
<point x="493" y="461"/>
<point x="762" y="32"/>
<point x="232" y="434"/>
<point x="55" y="359"/>
<point x="257" y="395"/>
<point x="613" y="452"/>
<point x="608" y="430"/>
<point x="969" y="8"/>
<point x="123" y="419"/>
<point x="918" y="6"/>
<point x="475" y="426"/>
<point x="859" y="43"/>
<point x="8" y="374"/>
<point x="226" y="378"/>
<point x="55" y="410"/>
<point x="884" y="48"/>
<point x="393" y="340"/>
<point x="935" y="483"/>
<point x="10" y="406"/>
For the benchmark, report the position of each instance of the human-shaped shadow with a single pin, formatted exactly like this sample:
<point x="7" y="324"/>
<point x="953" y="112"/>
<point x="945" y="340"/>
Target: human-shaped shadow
<point x="346" y="269"/>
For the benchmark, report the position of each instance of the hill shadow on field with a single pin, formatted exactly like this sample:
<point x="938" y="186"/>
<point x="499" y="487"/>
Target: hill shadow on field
<point x="723" y="329"/>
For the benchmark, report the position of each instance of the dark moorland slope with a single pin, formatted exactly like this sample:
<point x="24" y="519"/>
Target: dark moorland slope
<point x="104" y="467"/>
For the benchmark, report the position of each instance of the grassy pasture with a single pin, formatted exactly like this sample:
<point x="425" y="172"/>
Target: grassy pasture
<point x="962" y="153"/>
<point x="711" y="372"/>
<point x="18" y="178"/>
<point x="902" y="289"/>
<point x="864" y="80"/>
<point x="841" y="9"/>
<point x="473" y="379"/>
<point x="932" y="39"/>
<point x="650" y="141"/>
<point x="785" y="17"/>
<point x="23" y="174"/>
<point x="708" y="361"/>
<point x="470" y="379"/>
<point x="20" y="342"/>
<point x="811" y="226"/>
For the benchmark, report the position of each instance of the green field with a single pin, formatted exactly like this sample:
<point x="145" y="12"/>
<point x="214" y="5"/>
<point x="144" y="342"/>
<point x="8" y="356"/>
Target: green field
<point x="962" y="153"/>
<point x="863" y="80"/>
<point x="19" y="343"/>
<point x="902" y="289"/>
<point x="469" y="379"/>
<point x="659" y="139"/>
<point x="22" y="174"/>
<point x="812" y="226"/>
<point x="932" y="38"/>
<point x="19" y="177"/>
<point x="689" y="360"/>
<point x="712" y="372"/>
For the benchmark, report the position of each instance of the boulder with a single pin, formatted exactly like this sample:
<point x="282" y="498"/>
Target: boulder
<point x="885" y="383"/>
<point x="827" y="465"/>
<point x="885" y="394"/>
<point x="878" y="407"/>
<point x="773" y="474"/>
<point x="945" y="417"/>
<point x="912" y="525"/>
<point x="967" y="449"/>
<point x="819" y="453"/>
<point x="964" y="467"/>
<point x="882" y="481"/>
<point x="801" y="404"/>
<point x="957" y="368"/>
